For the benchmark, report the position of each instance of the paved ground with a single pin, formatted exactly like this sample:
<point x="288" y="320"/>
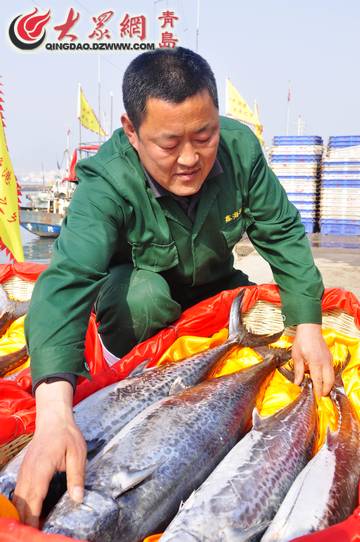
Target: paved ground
<point x="338" y="259"/>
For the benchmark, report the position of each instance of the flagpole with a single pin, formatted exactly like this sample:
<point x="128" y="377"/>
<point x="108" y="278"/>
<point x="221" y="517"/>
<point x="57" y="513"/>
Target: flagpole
<point x="99" y="98"/>
<point x="79" y="117"/>
<point x="226" y="94"/>
<point x="288" y="111"/>
<point x="111" y="112"/>
<point x="197" y="26"/>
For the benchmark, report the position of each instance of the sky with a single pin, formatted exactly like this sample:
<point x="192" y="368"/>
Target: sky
<point x="260" y="45"/>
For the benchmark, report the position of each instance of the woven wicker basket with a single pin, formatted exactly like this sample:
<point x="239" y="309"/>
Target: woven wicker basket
<point x="263" y="317"/>
<point x="20" y="290"/>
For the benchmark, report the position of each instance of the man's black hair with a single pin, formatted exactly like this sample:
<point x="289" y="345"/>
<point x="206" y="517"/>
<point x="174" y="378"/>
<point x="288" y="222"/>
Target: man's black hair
<point x="168" y="74"/>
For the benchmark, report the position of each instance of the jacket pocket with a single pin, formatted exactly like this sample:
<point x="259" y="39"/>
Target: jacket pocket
<point x="154" y="257"/>
<point x="234" y="231"/>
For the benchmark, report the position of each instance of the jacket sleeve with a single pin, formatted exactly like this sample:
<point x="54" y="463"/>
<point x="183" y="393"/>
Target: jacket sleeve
<point x="65" y="292"/>
<point x="278" y="235"/>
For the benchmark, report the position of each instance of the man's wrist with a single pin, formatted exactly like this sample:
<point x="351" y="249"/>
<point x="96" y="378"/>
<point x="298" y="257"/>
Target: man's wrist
<point x="56" y="377"/>
<point x="59" y="394"/>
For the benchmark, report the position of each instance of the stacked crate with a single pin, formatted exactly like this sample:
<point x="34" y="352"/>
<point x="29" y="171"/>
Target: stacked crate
<point x="340" y="187"/>
<point x="296" y="160"/>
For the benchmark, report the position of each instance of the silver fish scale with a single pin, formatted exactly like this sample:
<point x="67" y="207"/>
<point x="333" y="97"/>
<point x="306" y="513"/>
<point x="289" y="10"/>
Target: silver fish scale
<point x="248" y="486"/>
<point x="345" y="445"/>
<point x="101" y="415"/>
<point x="104" y="413"/>
<point x="326" y="491"/>
<point x="165" y="430"/>
<point x="166" y="452"/>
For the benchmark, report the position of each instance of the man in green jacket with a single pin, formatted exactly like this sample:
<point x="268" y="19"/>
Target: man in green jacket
<point x="149" y="232"/>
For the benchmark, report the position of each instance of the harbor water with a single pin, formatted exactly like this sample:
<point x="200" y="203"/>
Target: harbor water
<point x="39" y="249"/>
<point x="36" y="249"/>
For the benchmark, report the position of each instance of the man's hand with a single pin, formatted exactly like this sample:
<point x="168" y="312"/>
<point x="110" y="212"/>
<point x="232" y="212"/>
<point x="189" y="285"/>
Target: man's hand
<point x="310" y="352"/>
<point x="57" y="445"/>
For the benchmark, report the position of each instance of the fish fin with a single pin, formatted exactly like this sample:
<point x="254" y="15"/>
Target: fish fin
<point x="246" y="535"/>
<point x="256" y="419"/>
<point x="290" y="375"/>
<point x="339" y="371"/>
<point x="139" y="369"/>
<point x="238" y="332"/>
<point x="331" y="438"/>
<point x="20" y="308"/>
<point x="287" y="373"/>
<point x="236" y="327"/>
<point x="177" y="386"/>
<point x="5" y="302"/>
<point x="281" y="355"/>
<point x="252" y="339"/>
<point x="6" y="320"/>
<point x="126" y="478"/>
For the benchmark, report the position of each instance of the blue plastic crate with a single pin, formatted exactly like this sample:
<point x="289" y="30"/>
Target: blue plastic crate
<point x="341" y="172"/>
<point x="335" y="183"/>
<point x="298" y="178"/>
<point x="295" y="158"/>
<point x="339" y="227"/>
<point x="309" y="225"/>
<point x="297" y="140"/>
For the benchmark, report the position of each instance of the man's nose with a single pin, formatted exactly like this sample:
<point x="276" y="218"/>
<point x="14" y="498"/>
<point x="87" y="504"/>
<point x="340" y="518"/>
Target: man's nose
<point x="188" y="157"/>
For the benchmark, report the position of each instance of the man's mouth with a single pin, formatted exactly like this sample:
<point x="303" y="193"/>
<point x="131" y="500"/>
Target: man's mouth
<point x="191" y="173"/>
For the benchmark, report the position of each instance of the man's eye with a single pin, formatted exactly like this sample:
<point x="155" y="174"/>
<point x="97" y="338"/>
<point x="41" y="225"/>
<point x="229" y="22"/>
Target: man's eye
<point x="168" y="147"/>
<point x="203" y="140"/>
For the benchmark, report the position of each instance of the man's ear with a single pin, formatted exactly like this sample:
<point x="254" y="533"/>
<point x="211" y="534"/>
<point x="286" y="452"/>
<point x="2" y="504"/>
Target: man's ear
<point x="130" y="131"/>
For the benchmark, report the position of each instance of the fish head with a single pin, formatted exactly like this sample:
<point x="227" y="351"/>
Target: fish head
<point x="94" y="519"/>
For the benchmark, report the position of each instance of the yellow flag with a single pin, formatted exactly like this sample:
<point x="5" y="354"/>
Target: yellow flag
<point x="10" y="239"/>
<point x="87" y="116"/>
<point x="237" y="107"/>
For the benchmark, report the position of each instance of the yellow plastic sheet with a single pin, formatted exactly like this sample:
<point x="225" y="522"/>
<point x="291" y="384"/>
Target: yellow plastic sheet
<point x="12" y="341"/>
<point x="277" y="391"/>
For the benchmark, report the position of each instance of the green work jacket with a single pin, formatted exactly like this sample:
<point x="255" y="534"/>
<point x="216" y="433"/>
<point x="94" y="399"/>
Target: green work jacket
<point x="114" y="217"/>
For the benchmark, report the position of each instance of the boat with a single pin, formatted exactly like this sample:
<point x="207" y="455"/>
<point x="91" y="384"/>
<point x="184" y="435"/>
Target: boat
<point x="48" y="209"/>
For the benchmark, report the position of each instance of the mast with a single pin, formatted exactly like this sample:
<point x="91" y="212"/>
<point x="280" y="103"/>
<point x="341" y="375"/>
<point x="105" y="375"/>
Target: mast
<point x="79" y="116"/>
<point x="99" y="98"/>
<point x="197" y="26"/>
<point x="288" y="110"/>
<point x="111" y="112"/>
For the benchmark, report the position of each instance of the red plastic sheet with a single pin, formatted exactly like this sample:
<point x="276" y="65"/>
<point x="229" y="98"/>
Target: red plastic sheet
<point x="203" y="319"/>
<point x="346" y="531"/>
<point x="25" y="271"/>
<point x="13" y="531"/>
<point x="17" y="409"/>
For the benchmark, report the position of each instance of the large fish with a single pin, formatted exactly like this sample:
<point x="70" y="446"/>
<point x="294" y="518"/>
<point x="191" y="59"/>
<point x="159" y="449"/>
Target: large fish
<point x="326" y="491"/>
<point x="241" y="496"/>
<point x="10" y="310"/>
<point x="137" y="482"/>
<point x="101" y="415"/>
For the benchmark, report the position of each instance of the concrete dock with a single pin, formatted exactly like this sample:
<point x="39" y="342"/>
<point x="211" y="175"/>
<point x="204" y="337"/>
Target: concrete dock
<point x="338" y="259"/>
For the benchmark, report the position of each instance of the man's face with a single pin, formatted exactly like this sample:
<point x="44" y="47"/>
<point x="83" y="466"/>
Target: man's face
<point x="177" y="143"/>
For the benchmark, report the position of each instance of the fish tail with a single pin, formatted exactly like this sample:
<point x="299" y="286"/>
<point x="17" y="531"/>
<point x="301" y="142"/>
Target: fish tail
<point x="20" y="308"/>
<point x="237" y="331"/>
<point x="12" y="361"/>
<point x="289" y="374"/>
<point x="279" y="355"/>
<point x="339" y="371"/>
